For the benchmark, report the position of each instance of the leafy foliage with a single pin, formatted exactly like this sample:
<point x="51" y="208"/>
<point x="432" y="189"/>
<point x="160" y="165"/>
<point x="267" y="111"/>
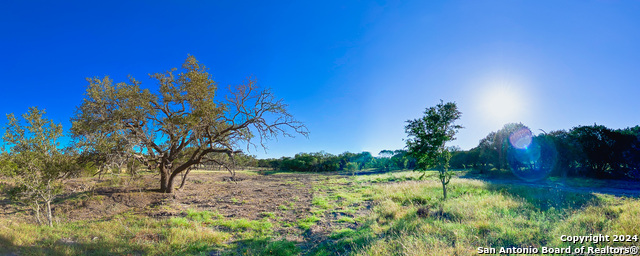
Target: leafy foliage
<point x="584" y="151"/>
<point x="181" y="124"/>
<point x="35" y="160"/>
<point x="428" y="136"/>
<point x="325" y="162"/>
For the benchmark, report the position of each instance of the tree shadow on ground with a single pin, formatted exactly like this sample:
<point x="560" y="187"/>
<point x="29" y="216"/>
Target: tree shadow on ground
<point x="261" y="246"/>
<point x="572" y="185"/>
<point x="9" y="209"/>
<point x="370" y="172"/>
<point x="68" y="247"/>
<point x="545" y="198"/>
<point x="273" y="172"/>
<point x="492" y="174"/>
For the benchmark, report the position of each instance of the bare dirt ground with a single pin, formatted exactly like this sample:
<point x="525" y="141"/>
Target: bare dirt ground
<point x="252" y="196"/>
<point x="248" y="197"/>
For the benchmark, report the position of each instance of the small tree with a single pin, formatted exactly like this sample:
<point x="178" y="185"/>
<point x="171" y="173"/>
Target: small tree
<point x="428" y="136"/>
<point x="351" y="167"/>
<point x="364" y="159"/>
<point x="180" y="124"/>
<point x="35" y="160"/>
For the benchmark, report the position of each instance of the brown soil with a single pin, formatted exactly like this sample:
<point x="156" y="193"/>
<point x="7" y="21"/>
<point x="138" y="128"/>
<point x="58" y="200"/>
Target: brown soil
<point x="250" y="196"/>
<point x="247" y="197"/>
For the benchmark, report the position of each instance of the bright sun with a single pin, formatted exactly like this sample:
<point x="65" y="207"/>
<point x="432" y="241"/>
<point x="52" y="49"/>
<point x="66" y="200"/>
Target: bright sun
<point x="502" y="104"/>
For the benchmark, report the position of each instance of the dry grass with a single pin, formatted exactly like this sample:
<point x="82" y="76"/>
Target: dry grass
<point x="409" y="219"/>
<point x="382" y="214"/>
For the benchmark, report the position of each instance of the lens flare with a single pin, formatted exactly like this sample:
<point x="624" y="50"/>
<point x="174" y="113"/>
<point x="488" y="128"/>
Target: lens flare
<point x="530" y="158"/>
<point x="521" y="139"/>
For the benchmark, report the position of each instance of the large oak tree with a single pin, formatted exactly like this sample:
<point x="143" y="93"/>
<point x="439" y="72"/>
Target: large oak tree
<point x="179" y="124"/>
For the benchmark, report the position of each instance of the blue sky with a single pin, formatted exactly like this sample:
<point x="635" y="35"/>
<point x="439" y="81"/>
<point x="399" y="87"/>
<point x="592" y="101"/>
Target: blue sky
<point x="352" y="71"/>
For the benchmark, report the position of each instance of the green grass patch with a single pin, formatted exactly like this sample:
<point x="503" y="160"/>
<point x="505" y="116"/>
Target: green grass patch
<point x="321" y="202"/>
<point x="346" y="219"/>
<point x="345" y="232"/>
<point x="265" y="246"/>
<point x="246" y="228"/>
<point x="202" y="216"/>
<point x="307" y="222"/>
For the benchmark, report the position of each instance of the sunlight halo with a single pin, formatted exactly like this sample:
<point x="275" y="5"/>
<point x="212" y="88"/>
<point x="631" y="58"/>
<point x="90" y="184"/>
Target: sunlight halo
<point x="502" y="103"/>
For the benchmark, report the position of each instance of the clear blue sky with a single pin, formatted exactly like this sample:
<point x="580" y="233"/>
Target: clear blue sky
<point x="353" y="71"/>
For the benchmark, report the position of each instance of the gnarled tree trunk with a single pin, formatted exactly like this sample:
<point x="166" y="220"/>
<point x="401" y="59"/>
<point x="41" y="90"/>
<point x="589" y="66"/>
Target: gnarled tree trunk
<point x="164" y="179"/>
<point x="167" y="176"/>
<point x="172" y="177"/>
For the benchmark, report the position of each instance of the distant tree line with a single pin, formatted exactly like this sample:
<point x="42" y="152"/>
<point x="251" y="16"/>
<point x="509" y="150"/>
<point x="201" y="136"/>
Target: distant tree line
<point x="593" y="151"/>
<point x="347" y="161"/>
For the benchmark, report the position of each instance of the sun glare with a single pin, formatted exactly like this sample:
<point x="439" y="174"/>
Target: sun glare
<point x="502" y="104"/>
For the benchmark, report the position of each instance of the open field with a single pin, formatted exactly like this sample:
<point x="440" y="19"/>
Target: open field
<point x="315" y="214"/>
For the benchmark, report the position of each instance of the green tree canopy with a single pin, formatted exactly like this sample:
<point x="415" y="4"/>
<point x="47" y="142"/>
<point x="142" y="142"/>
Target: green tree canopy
<point x="35" y="160"/>
<point x="183" y="122"/>
<point x="428" y="136"/>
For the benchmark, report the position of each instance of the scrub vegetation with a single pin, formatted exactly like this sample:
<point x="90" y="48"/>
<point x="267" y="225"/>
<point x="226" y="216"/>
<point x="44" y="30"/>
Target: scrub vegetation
<point x="394" y="213"/>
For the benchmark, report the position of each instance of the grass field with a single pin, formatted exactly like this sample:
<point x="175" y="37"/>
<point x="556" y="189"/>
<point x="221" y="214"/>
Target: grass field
<point x="378" y="214"/>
